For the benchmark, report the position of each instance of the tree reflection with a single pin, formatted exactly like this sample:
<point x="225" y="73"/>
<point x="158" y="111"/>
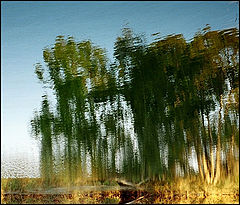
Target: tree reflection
<point x="143" y="116"/>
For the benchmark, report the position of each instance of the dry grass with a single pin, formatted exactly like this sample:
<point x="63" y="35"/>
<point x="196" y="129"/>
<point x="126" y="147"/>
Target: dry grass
<point x="189" y="190"/>
<point x="2" y="196"/>
<point x="111" y="197"/>
<point x="20" y="184"/>
<point x="194" y="191"/>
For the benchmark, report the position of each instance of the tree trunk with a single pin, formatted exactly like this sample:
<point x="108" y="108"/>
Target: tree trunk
<point x="205" y="168"/>
<point x="211" y="150"/>
<point x="218" y="159"/>
<point x="198" y="152"/>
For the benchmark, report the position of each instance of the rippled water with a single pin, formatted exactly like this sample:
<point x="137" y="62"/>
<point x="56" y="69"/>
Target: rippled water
<point x="20" y="166"/>
<point x="159" y="111"/>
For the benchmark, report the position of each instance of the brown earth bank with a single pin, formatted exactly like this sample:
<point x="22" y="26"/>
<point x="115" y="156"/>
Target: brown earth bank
<point x="120" y="197"/>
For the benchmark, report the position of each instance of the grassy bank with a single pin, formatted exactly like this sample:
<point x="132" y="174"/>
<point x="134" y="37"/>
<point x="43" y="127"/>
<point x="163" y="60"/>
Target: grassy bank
<point x="181" y="190"/>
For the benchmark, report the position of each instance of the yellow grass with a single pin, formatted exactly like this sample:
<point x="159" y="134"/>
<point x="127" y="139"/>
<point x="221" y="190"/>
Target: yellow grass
<point x="188" y="190"/>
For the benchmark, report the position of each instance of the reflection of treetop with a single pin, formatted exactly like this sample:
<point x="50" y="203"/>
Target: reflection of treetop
<point x="144" y="115"/>
<point x="68" y="60"/>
